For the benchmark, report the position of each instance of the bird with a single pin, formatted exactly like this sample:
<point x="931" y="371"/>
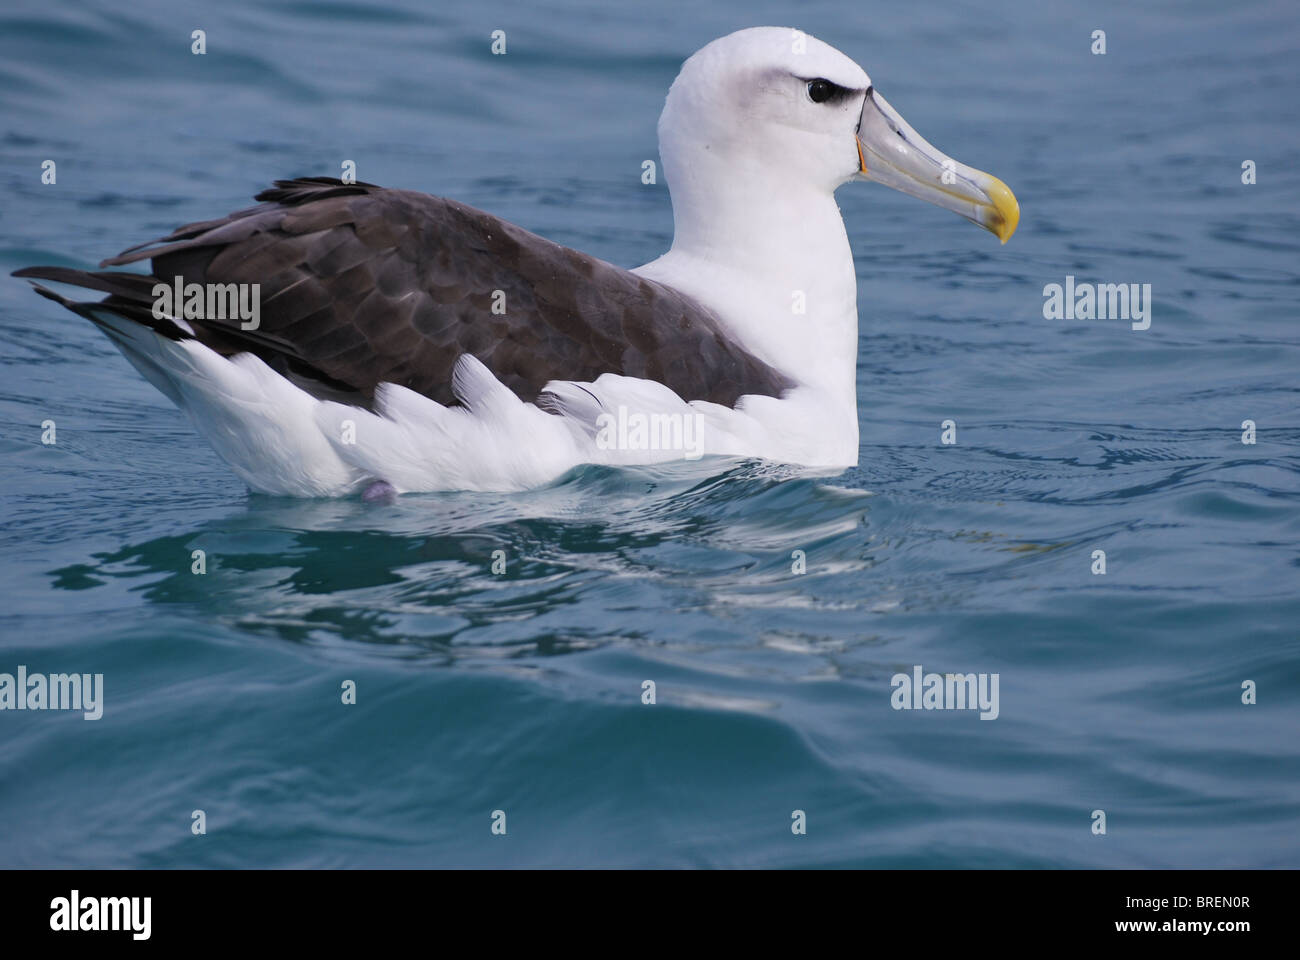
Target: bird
<point x="341" y="338"/>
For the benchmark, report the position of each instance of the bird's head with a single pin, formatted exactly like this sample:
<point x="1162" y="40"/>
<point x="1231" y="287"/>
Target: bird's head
<point x="777" y="106"/>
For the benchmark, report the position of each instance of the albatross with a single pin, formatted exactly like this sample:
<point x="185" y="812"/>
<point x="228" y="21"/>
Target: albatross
<point x="407" y="342"/>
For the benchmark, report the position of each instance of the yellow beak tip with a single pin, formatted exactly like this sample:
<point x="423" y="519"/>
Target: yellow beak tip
<point x="1006" y="208"/>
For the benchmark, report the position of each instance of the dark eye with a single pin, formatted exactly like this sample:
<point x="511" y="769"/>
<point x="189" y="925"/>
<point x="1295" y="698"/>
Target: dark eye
<point x="819" y="90"/>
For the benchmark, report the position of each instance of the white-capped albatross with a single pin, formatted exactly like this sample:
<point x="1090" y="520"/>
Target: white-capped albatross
<point x="412" y="343"/>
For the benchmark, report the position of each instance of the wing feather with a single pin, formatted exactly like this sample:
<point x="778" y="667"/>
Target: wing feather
<point x="362" y="285"/>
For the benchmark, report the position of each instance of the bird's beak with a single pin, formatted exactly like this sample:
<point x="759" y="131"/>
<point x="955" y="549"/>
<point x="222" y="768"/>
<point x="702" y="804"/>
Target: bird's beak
<point x="892" y="153"/>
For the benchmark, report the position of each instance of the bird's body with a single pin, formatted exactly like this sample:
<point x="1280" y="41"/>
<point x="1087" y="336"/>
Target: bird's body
<point x="419" y="344"/>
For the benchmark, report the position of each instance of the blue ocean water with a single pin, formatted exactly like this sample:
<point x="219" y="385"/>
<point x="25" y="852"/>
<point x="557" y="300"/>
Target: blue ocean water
<point x="521" y="692"/>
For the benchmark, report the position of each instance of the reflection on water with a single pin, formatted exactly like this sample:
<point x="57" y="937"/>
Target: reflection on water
<point x="446" y="573"/>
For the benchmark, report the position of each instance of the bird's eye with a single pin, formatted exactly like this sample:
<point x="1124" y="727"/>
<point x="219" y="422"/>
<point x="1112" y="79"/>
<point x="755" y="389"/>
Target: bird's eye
<point x="819" y="90"/>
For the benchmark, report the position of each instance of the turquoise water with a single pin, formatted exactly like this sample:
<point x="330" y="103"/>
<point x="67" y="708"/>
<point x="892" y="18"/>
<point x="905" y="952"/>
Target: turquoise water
<point x="522" y="692"/>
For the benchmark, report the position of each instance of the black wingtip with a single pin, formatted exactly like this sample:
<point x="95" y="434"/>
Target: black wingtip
<point x="49" y="294"/>
<point x="55" y="274"/>
<point x="32" y="274"/>
<point x="131" y="286"/>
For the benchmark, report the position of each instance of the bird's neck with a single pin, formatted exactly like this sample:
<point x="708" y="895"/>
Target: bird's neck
<point x="774" y="263"/>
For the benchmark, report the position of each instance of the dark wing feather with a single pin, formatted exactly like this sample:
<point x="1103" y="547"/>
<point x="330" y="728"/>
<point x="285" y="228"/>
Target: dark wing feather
<point x="362" y="285"/>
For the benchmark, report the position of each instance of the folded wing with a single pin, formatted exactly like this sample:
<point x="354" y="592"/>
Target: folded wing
<point x="362" y="285"/>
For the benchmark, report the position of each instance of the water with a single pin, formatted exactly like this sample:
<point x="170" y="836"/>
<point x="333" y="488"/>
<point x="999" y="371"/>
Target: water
<point x="521" y="692"/>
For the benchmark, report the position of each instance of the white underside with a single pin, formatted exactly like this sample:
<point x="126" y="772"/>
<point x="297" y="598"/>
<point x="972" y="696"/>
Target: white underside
<point x="280" y="440"/>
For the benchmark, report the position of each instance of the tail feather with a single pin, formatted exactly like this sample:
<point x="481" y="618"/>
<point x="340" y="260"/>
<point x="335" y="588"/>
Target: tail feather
<point x="257" y="419"/>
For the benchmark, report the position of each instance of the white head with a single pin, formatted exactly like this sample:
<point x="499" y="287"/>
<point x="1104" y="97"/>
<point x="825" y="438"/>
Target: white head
<point x="771" y="115"/>
<point x="745" y="97"/>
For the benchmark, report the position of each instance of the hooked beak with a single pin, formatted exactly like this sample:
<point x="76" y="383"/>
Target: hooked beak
<point x="892" y="153"/>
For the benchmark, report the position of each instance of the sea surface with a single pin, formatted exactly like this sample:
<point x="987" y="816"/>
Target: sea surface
<point x="522" y="692"/>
